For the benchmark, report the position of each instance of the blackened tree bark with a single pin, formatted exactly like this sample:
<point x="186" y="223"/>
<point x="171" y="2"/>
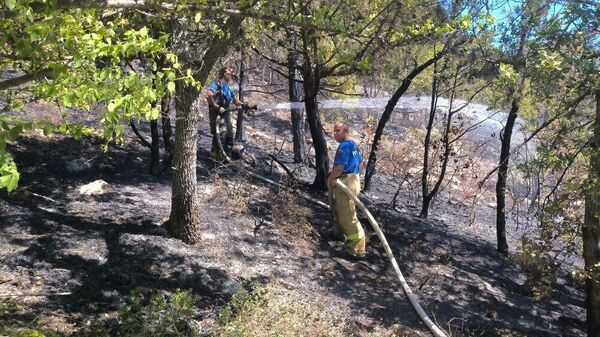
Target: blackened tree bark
<point x="534" y="11"/>
<point x="154" y="149"/>
<point x="183" y="221"/>
<point x="505" y="138"/>
<point x="311" y="89"/>
<point x="239" y="125"/>
<point x="425" y="174"/>
<point x="298" y="138"/>
<point x="385" y="117"/>
<point x="166" y="128"/>
<point x="591" y="233"/>
<point x="152" y="145"/>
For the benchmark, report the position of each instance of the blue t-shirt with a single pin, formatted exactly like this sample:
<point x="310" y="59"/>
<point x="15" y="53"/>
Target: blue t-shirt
<point x="225" y="90"/>
<point x="347" y="154"/>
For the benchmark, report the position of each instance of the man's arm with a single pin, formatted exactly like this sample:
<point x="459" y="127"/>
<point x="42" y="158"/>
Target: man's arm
<point x="334" y="174"/>
<point x="237" y="101"/>
<point x="210" y="99"/>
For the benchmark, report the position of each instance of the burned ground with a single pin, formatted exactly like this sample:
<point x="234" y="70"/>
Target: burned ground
<point x="85" y="253"/>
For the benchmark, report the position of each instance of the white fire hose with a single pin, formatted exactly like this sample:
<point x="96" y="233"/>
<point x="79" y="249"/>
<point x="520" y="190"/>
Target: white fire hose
<point x="412" y="298"/>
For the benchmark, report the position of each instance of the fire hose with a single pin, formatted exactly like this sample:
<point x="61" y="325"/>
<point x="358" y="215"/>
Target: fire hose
<point x="412" y="298"/>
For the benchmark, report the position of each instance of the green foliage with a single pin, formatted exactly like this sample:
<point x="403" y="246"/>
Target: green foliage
<point x="507" y="77"/>
<point x="87" y="62"/>
<point x="25" y="332"/>
<point x="156" y="314"/>
<point x="272" y="311"/>
<point x="540" y="268"/>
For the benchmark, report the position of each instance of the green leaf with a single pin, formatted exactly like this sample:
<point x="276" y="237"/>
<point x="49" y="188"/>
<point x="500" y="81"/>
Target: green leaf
<point x="10" y="4"/>
<point x="111" y="106"/>
<point x="171" y="87"/>
<point x="14" y="180"/>
<point x="14" y="132"/>
<point x="48" y="129"/>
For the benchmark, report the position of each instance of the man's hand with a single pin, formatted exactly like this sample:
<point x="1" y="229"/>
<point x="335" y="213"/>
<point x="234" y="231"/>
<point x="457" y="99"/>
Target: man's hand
<point x="221" y="110"/>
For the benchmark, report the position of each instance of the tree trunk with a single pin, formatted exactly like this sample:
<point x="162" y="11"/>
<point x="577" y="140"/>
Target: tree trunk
<point x="427" y="198"/>
<point x="154" y="149"/>
<point x="183" y="220"/>
<point x="166" y="129"/>
<point x="505" y="137"/>
<point x="389" y="108"/>
<point x="298" y="137"/>
<point x="425" y="175"/>
<point x="239" y="125"/>
<point x="311" y="88"/>
<point x="591" y="233"/>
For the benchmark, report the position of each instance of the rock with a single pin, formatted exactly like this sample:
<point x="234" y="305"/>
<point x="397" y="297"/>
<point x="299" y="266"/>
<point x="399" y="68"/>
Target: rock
<point x="491" y="204"/>
<point x="208" y="236"/>
<point x="97" y="187"/>
<point x="230" y="287"/>
<point x="77" y="166"/>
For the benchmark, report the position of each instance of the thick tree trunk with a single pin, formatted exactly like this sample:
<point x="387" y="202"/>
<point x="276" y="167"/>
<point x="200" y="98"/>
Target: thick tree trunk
<point x="154" y="149"/>
<point x="502" y="177"/>
<point x="385" y="117"/>
<point x="298" y="138"/>
<point x="183" y="221"/>
<point x="591" y="234"/>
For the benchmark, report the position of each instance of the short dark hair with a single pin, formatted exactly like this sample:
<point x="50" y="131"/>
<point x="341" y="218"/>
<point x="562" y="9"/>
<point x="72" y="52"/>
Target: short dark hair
<point x="343" y="125"/>
<point x="222" y="71"/>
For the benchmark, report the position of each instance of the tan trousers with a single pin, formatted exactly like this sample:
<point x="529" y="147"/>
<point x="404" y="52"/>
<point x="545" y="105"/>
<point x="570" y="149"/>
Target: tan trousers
<point x="344" y="216"/>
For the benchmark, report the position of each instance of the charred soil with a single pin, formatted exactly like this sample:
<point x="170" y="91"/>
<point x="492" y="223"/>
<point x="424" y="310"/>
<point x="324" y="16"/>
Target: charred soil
<point x="70" y="259"/>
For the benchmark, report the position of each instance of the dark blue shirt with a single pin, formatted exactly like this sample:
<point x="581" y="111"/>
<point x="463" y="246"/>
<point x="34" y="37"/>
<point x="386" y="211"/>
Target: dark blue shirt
<point x="221" y="88"/>
<point x="347" y="154"/>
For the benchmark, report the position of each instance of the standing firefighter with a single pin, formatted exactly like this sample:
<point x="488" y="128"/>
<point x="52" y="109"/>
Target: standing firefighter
<point x="346" y="168"/>
<point x="219" y="97"/>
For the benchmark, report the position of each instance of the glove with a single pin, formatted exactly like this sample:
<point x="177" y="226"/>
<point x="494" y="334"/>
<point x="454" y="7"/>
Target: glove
<point x="221" y="110"/>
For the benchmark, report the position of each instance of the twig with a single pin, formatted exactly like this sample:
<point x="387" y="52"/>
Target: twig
<point x="66" y="293"/>
<point x="44" y="197"/>
<point x="287" y="170"/>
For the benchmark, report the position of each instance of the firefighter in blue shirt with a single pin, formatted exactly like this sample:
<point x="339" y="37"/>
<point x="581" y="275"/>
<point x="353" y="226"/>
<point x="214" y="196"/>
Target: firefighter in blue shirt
<point x="346" y="167"/>
<point x="219" y="97"/>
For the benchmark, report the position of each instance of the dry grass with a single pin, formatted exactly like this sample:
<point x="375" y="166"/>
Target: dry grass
<point x="275" y="311"/>
<point x="288" y="212"/>
<point x="232" y="194"/>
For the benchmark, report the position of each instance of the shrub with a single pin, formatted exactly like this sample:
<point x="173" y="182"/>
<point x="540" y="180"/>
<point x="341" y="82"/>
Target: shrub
<point x="539" y="267"/>
<point x="272" y="311"/>
<point x="157" y="314"/>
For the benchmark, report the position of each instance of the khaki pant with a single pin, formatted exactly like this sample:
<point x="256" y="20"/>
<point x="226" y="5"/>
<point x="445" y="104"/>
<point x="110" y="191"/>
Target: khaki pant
<point x="344" y="216"/>
<point x="213" y="115"/>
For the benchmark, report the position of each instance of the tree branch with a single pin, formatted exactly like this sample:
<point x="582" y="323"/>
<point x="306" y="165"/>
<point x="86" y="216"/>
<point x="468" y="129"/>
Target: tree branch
<point x="16" y="81"/>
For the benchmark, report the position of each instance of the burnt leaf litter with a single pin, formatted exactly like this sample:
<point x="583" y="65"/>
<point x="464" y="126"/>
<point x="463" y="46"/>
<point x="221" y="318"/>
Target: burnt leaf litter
<point x="85" y="254"/>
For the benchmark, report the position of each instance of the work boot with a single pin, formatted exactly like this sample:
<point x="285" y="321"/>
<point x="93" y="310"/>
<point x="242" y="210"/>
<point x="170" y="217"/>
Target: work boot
<point x="357" y="248"/>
